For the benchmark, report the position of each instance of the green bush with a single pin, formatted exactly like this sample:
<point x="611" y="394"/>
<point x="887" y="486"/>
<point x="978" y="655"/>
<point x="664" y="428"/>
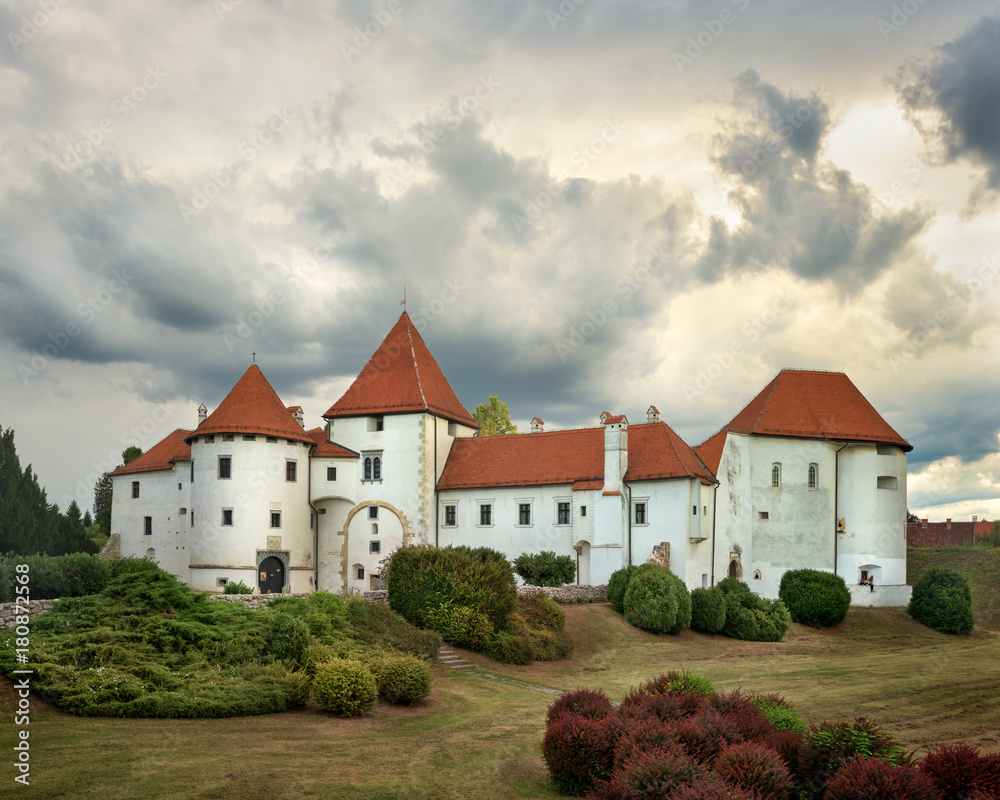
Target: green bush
<point x="618" y="585"/>
<point x="287" y="640"/>
<point x="297" y="683"/>
<point x="462" y="626"/>
<point x="402" y="680"/>
<point x="657" y="600"/>
<point x="752" y="618"/>
<point x="236" y="588"/>
<point x="545" y="568"/>
<point x="345" y="687"/>
<point x="779" y="712"/>
<point x="942" y="600"/>
<point x="50" y="577"/>
<point x="708" y="610"/>
<point x="509" y="648"/>
<point x="815" y="598"/>
<point x="422" y="578"/>
<point x="378" y="625"/>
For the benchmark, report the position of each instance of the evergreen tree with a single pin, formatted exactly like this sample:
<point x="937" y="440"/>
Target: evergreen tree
<point x="87" y="519"/>
<point x="102" y="503"/>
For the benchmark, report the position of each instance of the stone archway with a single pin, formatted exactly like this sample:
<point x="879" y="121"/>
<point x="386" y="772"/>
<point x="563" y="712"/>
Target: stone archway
<point x="408" y="537"/>
<point x="735" y="567"/>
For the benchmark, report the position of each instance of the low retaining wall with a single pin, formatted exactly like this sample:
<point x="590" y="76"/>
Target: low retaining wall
<point x="888" y="596"/>
<point x="570" y="594"/>
<point x="9" y="611"/>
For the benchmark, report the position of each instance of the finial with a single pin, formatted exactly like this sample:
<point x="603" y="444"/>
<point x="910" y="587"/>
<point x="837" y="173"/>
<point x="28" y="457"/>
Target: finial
<point x="403" y="301"/>
<point x="254" y="356"/>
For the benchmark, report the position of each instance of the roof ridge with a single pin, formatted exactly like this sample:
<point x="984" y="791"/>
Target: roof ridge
<point x="774" y="387"/>
<point x="413" y="354"/>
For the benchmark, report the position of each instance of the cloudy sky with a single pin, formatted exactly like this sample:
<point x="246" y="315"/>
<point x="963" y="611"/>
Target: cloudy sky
<point x="592" y="204"/>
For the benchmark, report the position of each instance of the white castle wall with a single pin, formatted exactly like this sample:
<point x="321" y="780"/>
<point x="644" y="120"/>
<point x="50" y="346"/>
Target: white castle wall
<point x="169" y="507"/>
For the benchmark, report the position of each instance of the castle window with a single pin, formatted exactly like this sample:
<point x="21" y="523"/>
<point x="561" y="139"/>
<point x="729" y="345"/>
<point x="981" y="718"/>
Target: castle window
<point x="885" y="450"/>
<point x="562" y="513"/>
<point x="249" y="437"/>
<point x="887" y="482"/>
<point x="583" y="511"/>
<point x="192" y="517"/>
<point x="372" y="512"/>
<point x="135" y="490"/>
<point x="373" y="466"/>
<point x="272" y="439"/>
<point x="813" y="476"/>
<point x="449" y="515"/>
<point x="312" y="519"/>
<point x="331" y="473"/>
<point x="225" y="467"/>
<point x="275" y="519"/>
<point x="147" y="526"/>
<point x="290" y="471"/>
<point x="694" y="511"/>
<point x="762" y="515"/>
<point x="361" y="573"/>
<point x="228" y="437"/>
<point x="375" y="547"/>
<point x="776" y="476"/>
<point x="210" y="439"/>
<point x="524" y="513"/>
<point x="376" y="423"/>
<point x="639" y="513"/>
<point x="227" y="517"/>
<point x="485" y="513"/>
<point x="192" y="470"/>
<point x="179" y="487"/>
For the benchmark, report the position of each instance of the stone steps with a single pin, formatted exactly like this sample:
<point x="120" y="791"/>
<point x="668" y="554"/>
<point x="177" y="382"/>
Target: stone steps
<point x="447" y="657"/>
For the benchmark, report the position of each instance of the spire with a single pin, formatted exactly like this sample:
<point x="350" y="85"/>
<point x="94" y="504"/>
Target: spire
<point x="401" y="376"/>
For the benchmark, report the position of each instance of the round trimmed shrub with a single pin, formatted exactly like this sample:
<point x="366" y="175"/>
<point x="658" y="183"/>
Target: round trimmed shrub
<point x="959" y="770"/>
<point x="579" y="751"/>
<point x="755" y="768"/>
<point x="657" y="600"/>
<point x="592" y="703"/>
<point x="815" y="598"/>
<point x="871" y="779"/>
<point x="288" y="639"/>
<point x="402" y="680"/>
<point x="657" y="773"/>
<point x="752" y="618"/>
<point x="618" y="585"/>
<point x="708" y="610"/>
<point x="942" y="600"/>
<point x="345" y="687"/>
<point x="460" y="625"/>
<point x="545" y="568"/>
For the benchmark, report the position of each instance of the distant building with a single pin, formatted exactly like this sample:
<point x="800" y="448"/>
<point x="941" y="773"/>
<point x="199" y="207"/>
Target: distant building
<point x="947" y="533"/>
<point x="807" y="475"/>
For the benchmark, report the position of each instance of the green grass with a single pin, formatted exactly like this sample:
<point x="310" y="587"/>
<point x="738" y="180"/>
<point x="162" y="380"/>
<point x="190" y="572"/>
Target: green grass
<point x="474" y="738"/>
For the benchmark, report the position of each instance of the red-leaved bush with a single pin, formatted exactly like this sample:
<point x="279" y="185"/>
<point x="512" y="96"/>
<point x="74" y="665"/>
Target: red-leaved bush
<point x="652" y="774"/>
<point x="593" y="703"/>
<point x="637" y="736"/>
<point x="959" y="771"/>
<point x="580" y="751"/>
<point x="640" y="705"/>
<point x="786" y="744"/>
<point x="755" y="768"/>
<point x="871" y="779"/>
<point x="706" y="735"/>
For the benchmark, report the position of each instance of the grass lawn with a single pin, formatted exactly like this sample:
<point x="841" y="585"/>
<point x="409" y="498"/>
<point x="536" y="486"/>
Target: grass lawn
<point x="476" y="738"/>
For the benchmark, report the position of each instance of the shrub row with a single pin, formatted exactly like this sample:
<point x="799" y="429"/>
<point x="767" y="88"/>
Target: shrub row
<point x="674" y="737"/>
<point x="545" y="568"/>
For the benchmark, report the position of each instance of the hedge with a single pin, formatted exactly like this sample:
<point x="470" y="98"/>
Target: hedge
<point x="545" y="568"/>
<point x="657" y="600"/>
<point x="708" y="610"/>
<point x="942" y="600"/>
<point x="815" y="598"/>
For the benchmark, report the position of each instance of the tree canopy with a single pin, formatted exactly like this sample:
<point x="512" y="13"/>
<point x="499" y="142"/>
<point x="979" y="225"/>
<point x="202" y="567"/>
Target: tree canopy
<point x="493" y="418"/>
<point x="103" y="488"/>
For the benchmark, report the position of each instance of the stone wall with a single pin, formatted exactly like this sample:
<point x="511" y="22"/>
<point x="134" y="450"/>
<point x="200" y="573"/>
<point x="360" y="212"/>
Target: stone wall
<point x="8" y="611"/>
<point x="570" y="594"/>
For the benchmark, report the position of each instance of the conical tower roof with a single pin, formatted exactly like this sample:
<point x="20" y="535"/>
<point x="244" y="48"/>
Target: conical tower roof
<point x="401" y="377"/>
<point x="252" y="407"/>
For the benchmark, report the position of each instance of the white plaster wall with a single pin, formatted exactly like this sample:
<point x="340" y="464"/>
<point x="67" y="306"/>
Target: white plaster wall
<point x="875" y="529"/>
<point x="360" y="534"/>
<point x="669" y="505"/>
<point x="698" y="567"/>
<point x="160" y="499"/>
<point x="733" y="505"/>
<point x="257" y="487"/>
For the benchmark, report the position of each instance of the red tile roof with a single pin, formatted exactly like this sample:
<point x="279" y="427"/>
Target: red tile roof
<point x="612" y="420"/>
<point x="401" y="376"/>
<point x="252" y="407"/>
<point x="161" y="455"/>
<point x="567" y="457"/>
<point x="814" y="405"/>
<point x="327" y="449"/>
<point x="710" y="451"/>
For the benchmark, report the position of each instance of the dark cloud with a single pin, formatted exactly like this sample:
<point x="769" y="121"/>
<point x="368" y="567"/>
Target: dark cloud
<point x="798" y="211"/>
<point x="953" y="97"/>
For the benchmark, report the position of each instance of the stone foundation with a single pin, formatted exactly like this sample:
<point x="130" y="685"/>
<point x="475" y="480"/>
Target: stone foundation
<point x="8" y="611"/>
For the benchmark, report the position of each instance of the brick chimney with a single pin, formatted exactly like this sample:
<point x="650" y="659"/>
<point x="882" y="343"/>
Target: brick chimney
<point x="652" y="414"/>
<point x="615" y="452"/>
<point x="923" y="522"/>
<point x="537" y="425"/>
<point x="947" y="524"/>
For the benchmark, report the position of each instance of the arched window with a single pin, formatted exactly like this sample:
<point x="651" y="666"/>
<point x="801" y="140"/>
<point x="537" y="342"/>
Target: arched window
<point x="151" y="553"/>
<point x="813" y="476"/>
<point x="377" y="468"/>
<point x="776" y="476"/>
<point x="368" y="469"/>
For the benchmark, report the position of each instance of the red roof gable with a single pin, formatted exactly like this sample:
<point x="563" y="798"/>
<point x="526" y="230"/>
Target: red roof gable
<point x="710" y="451"/>
<point x="567" y="457"/>
<point x="327" y="449"/>
<point x="161" y="455"/>
<point x="814" y="405"/>
<point x="252" y="407"/>
<point x="401" y="376"/>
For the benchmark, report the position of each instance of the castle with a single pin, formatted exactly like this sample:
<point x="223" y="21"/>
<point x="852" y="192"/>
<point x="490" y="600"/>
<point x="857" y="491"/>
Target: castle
<point x="808" y="474"/>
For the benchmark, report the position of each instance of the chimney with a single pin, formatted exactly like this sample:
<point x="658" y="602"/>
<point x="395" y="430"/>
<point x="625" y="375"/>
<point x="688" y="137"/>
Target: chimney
<point x="652" y="414"/>
<point x="615" y="452"/>
<point x="923" y="522"/>
<point x="975" y="519"/>
<point x="537" y="425"/>
<point x="202" y="413"/>
<point x="604" y="416"/>
<point x="947" y="524"/>
<point x="299" y="416"/>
